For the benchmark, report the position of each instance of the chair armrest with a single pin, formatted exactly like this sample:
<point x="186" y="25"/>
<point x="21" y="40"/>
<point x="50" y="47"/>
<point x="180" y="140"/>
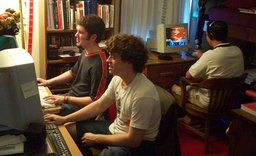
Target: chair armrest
<point x="183" y="83"/>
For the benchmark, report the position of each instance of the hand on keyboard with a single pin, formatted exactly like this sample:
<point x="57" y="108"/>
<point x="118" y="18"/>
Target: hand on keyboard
<point x="47" y="104"/>
<point x="42" y="93"/>
<point x="197" y="53"/>
<point x="48" y="101"/>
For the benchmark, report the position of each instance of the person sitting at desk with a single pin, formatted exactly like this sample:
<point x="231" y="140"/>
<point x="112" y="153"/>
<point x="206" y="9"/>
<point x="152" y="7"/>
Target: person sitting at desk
<point x="138" y="107"/>
<point x="90" y="73"/>
<point x="223" y="61"/>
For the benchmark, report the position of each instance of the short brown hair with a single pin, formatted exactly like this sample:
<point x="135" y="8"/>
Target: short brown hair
<point x="93" y="25"/>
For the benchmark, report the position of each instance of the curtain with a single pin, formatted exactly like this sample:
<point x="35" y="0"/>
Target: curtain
<point x="139" y="17"/>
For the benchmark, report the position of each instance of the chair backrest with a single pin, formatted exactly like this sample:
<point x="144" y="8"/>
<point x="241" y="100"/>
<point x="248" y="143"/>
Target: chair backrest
<point x="167" y="143"/>
<point x="224" y="92"/>
<point x="166" y="99"/>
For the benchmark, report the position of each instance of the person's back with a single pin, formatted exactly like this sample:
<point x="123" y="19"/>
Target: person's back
<point x="223" y="61"/>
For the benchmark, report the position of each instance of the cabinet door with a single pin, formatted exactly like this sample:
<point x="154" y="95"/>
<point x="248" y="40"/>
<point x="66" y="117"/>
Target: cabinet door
<point x="242" y="136"/>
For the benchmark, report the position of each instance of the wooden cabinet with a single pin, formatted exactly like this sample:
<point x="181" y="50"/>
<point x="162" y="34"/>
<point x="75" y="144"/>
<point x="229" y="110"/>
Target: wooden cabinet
<point x="65" y="37"/>
<point x="242" y="134"/>
<point x="165" y="73"/>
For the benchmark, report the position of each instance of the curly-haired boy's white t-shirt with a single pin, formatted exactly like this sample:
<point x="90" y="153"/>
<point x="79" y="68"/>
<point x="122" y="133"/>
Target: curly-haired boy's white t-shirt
<point x="137" y="105"/>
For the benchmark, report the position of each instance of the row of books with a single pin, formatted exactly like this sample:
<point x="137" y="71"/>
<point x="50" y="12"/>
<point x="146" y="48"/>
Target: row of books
<point x="61" y="40"/>
<point x="105" y="11"/>
<point x="63" y="14"/>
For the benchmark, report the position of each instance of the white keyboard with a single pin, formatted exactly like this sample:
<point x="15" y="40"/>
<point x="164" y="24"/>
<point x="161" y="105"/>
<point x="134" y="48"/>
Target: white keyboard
<point x="42" y="93"/>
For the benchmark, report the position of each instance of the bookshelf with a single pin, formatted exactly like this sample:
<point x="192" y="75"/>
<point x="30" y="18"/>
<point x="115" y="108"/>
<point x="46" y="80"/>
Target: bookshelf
<point x="50" y="64"/>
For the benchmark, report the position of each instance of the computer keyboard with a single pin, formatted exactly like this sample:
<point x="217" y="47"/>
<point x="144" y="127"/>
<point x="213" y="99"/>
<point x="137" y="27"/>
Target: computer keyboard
<point x="57" y="140"/>
<point x="42" y="93"/>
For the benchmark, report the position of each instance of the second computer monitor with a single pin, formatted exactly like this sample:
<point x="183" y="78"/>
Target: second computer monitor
<point x="172" y="37"/>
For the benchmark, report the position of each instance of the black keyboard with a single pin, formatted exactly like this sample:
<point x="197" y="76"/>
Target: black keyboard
<point x="57" y="140"/>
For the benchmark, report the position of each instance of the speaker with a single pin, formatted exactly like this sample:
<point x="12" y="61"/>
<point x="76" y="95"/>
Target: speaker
<point x="35" y="134"/>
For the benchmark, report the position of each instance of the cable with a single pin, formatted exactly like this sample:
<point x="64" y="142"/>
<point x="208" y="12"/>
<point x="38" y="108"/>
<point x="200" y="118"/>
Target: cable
<point x="164" y="9"/>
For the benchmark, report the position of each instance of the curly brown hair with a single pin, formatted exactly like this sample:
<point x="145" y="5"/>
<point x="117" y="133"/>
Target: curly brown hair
<point x="130" y="48"/>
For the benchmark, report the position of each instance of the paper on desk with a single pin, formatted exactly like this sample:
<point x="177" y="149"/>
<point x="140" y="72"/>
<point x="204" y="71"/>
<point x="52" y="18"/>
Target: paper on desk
<point x="12" y="144"/>
<point x="11" y="139"/>
<point x="12" y="149"/>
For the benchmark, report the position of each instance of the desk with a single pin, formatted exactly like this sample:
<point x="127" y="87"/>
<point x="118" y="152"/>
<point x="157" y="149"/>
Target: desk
<point x="243" y="134"/>
<point x="68" y="139"/>
<point x="48" y="150"/>
<point x="165" y="73"/>
<point x="74" y="150"/>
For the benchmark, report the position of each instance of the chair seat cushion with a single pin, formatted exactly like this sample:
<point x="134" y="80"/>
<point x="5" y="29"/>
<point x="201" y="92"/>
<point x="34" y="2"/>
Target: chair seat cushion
<point x="196" y="110"/>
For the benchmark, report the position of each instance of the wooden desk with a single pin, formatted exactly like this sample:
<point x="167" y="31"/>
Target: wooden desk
<point x="165" y="73"/>
<point x="243" y="134"/>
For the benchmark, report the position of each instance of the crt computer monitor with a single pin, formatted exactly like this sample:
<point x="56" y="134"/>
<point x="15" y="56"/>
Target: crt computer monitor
<point x="172" y="38"/>
<point x="19" y="97"/>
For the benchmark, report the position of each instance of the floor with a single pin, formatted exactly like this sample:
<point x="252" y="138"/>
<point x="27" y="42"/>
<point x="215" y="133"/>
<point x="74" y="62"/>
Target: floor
<point x="193" y="145"/>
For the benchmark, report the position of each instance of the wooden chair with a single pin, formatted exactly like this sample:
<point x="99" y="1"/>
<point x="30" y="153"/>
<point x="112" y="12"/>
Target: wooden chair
<point x="167" y="141"/>
<point x="224" y="93"/>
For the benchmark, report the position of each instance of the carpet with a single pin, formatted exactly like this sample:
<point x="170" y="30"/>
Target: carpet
<point x="193" y="145"/>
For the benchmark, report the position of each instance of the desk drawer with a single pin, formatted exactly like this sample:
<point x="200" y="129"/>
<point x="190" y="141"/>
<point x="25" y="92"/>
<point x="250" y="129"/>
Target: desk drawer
<point x="163" y="75"/>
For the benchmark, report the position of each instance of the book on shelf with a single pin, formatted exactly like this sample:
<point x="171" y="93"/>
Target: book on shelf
<point x="63" y="14"/>
<point x="79" y="9"/>
<point x="249" y="107"/>
<point x="106" y="12"/>
<point x="60" y="13"/>
<point x="50" y="17"/>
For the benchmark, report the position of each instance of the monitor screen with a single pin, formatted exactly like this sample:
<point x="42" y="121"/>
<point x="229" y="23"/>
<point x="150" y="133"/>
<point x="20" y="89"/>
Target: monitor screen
<point x="19" y="97"/>
<point x="172" y="38"/>
<point x="175" y="36"/>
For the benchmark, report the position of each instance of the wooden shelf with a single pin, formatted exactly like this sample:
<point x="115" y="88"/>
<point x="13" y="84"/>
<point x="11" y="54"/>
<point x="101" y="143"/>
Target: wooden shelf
<point x="60" y="61"/>
<point x="59" y="90"/>
<point x="61" y="31"/>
